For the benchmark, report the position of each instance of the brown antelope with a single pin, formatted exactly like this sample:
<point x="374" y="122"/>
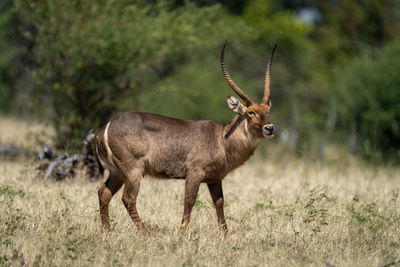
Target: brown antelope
<point x="134" y="144"/>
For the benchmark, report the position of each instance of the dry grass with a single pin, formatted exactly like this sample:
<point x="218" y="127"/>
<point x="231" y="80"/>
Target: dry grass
<point x="280" y="213"/>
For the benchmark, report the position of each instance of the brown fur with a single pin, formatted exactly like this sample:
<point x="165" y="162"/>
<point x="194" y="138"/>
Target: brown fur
<point x="198" y="151"/>
<point x="203" y="151"/>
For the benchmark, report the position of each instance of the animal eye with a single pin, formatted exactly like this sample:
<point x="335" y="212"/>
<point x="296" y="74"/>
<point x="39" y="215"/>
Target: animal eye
<point x="251" y="113"/>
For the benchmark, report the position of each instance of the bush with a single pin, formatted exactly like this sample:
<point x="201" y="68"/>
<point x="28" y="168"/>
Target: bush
<point x="8" y="70"/>
<point x="91" y="55"/>
<point x="370" y="102"/>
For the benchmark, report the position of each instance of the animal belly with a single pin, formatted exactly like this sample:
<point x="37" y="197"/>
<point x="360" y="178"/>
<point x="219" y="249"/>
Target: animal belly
<point x="168" y="170"/>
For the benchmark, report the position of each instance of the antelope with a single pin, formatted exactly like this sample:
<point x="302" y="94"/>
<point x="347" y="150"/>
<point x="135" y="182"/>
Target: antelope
<point x="134" y="144"/>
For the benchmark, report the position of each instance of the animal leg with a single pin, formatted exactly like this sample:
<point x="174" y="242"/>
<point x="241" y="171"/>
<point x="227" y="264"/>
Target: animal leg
<point x="191" y="190"/>
<point x="131" y="190"/>
<point x="106" y="192"/>
<point x="218" y="200"/>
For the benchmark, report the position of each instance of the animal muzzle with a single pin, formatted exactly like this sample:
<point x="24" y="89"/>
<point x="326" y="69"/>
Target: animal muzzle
<point x="268" y="130"/>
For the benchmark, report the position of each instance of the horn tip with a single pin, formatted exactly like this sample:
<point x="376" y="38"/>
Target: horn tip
<point x="273" y="49"/>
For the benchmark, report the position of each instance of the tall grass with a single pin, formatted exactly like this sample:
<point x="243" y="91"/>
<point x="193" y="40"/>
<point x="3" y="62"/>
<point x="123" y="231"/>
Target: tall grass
<point x="280" y="213"/>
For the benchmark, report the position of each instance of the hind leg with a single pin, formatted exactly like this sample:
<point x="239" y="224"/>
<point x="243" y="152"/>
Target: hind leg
<point x="106" y="192"/>
<point x="129" y="196"/>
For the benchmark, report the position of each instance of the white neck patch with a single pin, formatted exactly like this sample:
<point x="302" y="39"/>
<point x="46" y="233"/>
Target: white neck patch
<point x="247" y="132"/>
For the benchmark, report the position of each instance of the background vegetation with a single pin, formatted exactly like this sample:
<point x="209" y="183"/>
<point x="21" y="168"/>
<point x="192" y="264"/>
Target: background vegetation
<point x="78" y="63"/>
<point x="72" y="65"/>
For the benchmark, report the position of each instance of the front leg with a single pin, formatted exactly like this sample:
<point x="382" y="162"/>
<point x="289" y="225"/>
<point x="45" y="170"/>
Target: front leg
<point x="218" y="200"/>
<point x="192" y="184"/>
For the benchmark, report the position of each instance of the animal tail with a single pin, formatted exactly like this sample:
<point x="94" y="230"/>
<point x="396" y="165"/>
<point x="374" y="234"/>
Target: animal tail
<point x="95" y="147"/>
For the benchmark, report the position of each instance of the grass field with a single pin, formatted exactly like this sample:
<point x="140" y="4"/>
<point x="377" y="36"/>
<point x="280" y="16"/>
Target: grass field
<point x="280" y="212"/>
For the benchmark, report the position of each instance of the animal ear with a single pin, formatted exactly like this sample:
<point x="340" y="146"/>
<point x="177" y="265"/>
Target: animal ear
<point x="235" y="105"/>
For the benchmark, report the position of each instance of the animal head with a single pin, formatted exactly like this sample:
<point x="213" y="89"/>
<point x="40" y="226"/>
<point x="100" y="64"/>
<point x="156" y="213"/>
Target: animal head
<point x="257" y="115"/>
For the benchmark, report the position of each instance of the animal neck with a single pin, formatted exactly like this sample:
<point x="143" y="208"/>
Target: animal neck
<point x="238" y="142"/>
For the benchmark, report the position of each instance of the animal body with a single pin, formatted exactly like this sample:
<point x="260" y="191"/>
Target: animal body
<point x="135" y="144"/>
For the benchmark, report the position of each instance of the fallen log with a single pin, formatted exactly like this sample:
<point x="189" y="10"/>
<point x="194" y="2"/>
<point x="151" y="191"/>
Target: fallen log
<point x="63" y="167"/>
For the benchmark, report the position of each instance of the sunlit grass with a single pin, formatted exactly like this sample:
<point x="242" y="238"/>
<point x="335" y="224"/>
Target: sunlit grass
<point x="279" y="212"/>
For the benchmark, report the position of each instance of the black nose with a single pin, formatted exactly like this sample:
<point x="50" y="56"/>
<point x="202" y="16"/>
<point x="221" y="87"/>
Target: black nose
<point x="269" y="128"/>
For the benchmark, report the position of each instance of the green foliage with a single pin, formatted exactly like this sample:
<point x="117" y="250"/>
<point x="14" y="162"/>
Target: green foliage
<point x="77" y="63"/>
<point x="7" y="68"/>
<point x="367" y="222"/>
<point x="370" y="101"/>
<point x="271" y="23"/>
<point x="90" y="55"/>
<point x="317" y="213"/>
<point x="359" y="23"/>
<point x="298" y="80"/>
<point x="262" y="206"/>
<point x="203" y="98"/>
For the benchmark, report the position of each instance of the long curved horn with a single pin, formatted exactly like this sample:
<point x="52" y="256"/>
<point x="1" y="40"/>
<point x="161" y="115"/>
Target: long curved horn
<point x="231" y="83"/>
<point x="267" y="92"/>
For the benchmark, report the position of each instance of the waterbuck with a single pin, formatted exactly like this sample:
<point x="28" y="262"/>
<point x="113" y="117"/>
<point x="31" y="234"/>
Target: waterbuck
<point x="134" y="144"/>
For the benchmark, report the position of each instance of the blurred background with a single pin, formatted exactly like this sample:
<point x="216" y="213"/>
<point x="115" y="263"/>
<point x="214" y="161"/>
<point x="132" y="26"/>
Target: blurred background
<point x="335" y="77"/>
